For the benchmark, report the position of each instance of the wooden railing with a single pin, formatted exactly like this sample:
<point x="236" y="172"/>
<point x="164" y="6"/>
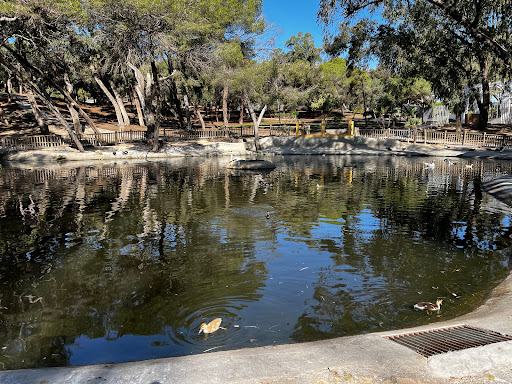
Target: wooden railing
<point x="430" y="136"/>
<point x="426" y="136"/>
<point x="112" y="138"/>
<point x="31" y="142"/>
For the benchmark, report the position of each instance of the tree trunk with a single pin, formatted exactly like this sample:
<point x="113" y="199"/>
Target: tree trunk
<point x="241" y="120"/>
<point x="9" y="85"/>
<point x="72" y="111"/>
<point x="256" y="120"/>
<point x="174" y="95"/>
<point x="137" y="106"/>
<point x="112" y="101"/>
<point x="225" y="94"/>
<point x="187" y="110"/>
<point x="485" y="100"/>
<point x="43" y="127"/>
<point x="148" y="91"/>
<point x="120" y="103"/>
<point x="199" y="116"/>
<point x="157" y="107"/>
<point x="458" y="123"/>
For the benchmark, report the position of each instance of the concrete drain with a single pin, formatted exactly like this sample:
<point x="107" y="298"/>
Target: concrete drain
<point x="436" y="341"/>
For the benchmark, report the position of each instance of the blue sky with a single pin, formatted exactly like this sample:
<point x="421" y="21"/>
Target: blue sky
<point x="292" y="17"/>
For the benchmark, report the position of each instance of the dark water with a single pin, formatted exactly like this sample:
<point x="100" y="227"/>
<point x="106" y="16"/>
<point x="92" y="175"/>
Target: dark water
<point x="123" y="262"/>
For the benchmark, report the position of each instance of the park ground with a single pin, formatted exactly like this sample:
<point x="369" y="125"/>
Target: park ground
<point x="22" y="123"/>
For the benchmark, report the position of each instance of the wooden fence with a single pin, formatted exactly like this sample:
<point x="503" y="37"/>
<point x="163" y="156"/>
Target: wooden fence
<point x="32" y="142"/>
<point x="411" y="135"/>
<point x="113" y="138"/>
<point x="431" y="136"/>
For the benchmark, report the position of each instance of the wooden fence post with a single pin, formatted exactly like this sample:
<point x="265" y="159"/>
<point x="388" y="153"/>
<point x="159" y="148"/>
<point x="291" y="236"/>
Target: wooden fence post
<point x="464" y="137"/>
<point x="444" y="137"/>
<point x="415" y="134"/>
<point x="483" y="140"/>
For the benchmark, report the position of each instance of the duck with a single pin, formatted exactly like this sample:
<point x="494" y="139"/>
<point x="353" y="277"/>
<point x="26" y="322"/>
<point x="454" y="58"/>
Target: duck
<point x="211" y="327"/>
<point x="429" y="307"/>
<point x="267" y="214"/>
<point x="431" y="165"/>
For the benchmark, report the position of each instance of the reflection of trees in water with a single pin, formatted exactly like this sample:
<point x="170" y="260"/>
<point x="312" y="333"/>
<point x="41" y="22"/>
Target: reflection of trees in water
<point x="130" y="251"/>
<point x="133" y="249"/>
<point x="386" y="254"/>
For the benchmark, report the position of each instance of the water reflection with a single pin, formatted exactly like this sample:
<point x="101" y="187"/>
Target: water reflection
<point x="123" y="262"/>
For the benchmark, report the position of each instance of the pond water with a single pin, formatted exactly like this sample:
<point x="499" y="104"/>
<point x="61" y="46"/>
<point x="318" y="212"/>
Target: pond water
<point x="123" y="262"/>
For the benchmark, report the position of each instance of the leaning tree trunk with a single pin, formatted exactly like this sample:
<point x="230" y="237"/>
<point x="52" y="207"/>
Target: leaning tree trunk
<point x="137" y="106"/>
<point x="113" y="101"/>
<point x="72" y="111"/>
<point x="120" y="103"/>
<point x="43" y="127"/>
<point x="35" y="71"/>
<point x="199" y="116"/>
<point x="38" y="88"/>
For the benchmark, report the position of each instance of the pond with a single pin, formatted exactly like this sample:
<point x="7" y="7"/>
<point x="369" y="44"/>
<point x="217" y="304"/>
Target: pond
<point x="123" y="262"/>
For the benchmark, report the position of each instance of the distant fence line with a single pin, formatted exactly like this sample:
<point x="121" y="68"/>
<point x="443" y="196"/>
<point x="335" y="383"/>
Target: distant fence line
<point x="411" y="135"/>
<point x="113" y="138"/>
<point x="432" y="136"/>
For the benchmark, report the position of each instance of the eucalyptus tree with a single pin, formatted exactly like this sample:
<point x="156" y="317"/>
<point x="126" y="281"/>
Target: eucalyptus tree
<point x="453" y="47"/>
<point x="484" y="22"/>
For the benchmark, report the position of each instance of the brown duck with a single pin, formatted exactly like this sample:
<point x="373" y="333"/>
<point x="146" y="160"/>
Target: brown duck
<point x="429" y="307"/>
<point x="211" y="327"/>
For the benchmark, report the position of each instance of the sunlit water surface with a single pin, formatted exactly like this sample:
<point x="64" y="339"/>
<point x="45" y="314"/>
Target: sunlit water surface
<point x="123" y="262"/>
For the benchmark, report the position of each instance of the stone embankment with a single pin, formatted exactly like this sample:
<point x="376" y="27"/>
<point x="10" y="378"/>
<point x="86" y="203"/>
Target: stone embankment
<point x="269" y="145"/>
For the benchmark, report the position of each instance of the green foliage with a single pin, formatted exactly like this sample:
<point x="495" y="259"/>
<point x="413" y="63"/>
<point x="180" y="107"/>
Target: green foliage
<point x="302" y="48"/>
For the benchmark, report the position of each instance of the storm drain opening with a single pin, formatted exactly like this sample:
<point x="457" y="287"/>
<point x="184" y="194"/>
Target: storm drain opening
<point x="437" y="341"/>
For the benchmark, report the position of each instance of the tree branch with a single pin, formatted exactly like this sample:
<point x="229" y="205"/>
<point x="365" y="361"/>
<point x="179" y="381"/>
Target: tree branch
<point x="474" y="31"/>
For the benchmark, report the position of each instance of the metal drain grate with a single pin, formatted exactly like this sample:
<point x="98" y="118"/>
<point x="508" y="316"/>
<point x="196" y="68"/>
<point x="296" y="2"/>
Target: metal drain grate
<point x="429" y="343"/>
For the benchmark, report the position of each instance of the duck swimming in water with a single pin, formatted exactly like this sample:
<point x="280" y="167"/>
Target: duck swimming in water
<point x="211" y="327"/>
<point x="429" y="307"/>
